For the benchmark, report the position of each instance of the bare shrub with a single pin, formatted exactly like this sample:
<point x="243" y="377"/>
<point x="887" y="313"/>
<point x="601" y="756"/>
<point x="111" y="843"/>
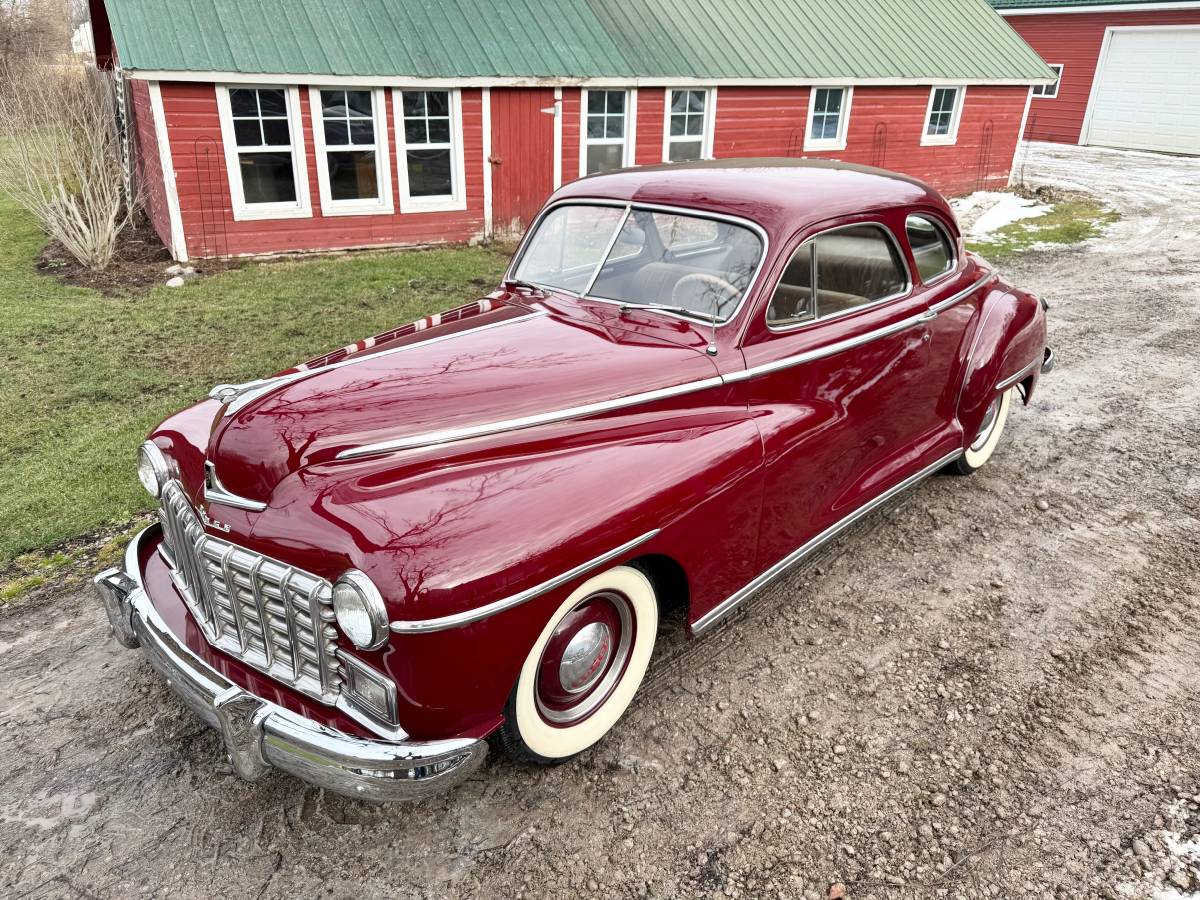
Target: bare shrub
<point x="60" y="157"/>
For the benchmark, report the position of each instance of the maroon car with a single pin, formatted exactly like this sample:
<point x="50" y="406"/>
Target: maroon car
<point x="467" y="528"/>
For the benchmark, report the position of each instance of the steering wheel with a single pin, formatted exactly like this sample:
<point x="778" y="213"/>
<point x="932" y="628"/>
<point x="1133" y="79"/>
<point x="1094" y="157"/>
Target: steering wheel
<point x="704" y="293"/>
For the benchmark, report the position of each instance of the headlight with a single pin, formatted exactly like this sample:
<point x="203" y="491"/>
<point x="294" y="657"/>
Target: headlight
<point x="152" y="468"/>
<point x="359" y="610"/>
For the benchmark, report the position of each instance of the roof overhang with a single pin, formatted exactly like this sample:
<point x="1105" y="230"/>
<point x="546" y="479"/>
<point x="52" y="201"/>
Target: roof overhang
<point x="1101" y="8"/>
<point x="511" y="81"/>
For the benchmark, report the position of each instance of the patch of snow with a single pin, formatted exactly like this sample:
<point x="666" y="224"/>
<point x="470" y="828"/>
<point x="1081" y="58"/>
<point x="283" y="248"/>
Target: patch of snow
<point x="984" y="212"/>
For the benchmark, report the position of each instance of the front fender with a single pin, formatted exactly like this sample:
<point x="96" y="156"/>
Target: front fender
<point x="1009" y="339"/>
<point x="443" y="536"/>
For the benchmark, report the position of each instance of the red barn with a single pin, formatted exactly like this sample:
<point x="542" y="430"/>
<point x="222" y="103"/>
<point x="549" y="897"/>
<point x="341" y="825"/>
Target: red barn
<point x="293" y="125"/>
<point x="1129" y="71"/>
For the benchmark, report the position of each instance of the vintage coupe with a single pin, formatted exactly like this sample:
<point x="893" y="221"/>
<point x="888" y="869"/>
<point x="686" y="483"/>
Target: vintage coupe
<point x="465" y="528"/>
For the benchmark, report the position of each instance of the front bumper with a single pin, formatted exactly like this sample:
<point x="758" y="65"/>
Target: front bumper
<point x="260" y="735"/>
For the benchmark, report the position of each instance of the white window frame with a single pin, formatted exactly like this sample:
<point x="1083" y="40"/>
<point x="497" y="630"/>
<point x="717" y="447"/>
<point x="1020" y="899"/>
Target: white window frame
<point x="455" y="201"/>
<point x="951" y="138"/>
<point x="1046" y="87"/>
<point x="301" y="208"/>
<point x="838" y="142"/>
<point x="706" y="132"/>
<point x="629" y="140"/>
<point x="381" y="204"/>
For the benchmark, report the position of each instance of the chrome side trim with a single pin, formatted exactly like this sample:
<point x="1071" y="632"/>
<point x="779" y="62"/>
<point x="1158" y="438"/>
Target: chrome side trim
<point x="963" y="294"/>
<point x="762" y="580"/>
<point x="424" y="626"/>
<point x="832" y="349"/>
<point x="238" y="396"/>
<point x="215" y="492"/>
<point x="430" y="438"/>
<point x="1019" y="376"/>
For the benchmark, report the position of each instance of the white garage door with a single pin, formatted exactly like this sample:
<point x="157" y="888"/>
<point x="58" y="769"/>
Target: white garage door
<point x="1147" y="93"/>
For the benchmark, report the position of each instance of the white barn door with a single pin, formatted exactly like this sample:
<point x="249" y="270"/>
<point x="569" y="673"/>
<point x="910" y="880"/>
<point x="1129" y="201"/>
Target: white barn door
<point x="1146" y="93"/>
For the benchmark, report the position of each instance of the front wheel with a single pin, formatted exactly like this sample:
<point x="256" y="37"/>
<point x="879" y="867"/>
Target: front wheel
<point x="584" y="668"/>
<point x="981" y="448"/>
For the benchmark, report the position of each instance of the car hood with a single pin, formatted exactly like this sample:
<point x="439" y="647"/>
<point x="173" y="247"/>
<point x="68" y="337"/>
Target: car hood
<point x="505" y="362"/>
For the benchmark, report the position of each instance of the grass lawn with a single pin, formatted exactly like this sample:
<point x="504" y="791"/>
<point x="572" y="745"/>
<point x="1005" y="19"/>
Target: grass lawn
<point x="83" y="376"/>
<point x="1071" y="220"/>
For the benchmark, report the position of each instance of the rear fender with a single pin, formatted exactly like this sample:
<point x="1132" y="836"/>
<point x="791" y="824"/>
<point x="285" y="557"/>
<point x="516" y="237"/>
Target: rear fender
<point x="1006" y="349"/>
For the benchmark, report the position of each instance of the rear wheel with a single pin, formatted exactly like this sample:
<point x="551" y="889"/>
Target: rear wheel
<point x="584" y="668"/>
<point x="984" y="444"/>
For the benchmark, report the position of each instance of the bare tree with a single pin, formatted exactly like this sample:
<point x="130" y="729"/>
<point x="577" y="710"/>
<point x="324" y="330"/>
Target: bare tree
<point x="33" y="30"/>
<point x="60" y="157"/>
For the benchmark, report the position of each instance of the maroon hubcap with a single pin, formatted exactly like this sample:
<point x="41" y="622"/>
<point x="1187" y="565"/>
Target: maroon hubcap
<point x="585" y="658"/>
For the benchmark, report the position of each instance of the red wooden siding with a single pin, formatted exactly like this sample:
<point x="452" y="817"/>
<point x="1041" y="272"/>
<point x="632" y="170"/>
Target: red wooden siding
<point x="571" y="99"/>
<point x="195" y="133"/>
<point x="1074" y="40"/>
<point x="522" y="155"/>
<point x="149" y="163"/>
<point x="650" y="108"/>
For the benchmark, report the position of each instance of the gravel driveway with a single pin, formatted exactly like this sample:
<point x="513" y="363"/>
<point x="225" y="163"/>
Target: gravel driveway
<point x="989" y="689"/>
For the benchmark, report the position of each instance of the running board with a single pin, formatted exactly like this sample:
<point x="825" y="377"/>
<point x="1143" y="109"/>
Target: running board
<point x="726" y="606"/>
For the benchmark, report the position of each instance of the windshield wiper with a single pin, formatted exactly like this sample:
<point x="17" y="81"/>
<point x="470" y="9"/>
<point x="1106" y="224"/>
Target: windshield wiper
<point x="681" y="310"/>
<point x="518" y="283"/>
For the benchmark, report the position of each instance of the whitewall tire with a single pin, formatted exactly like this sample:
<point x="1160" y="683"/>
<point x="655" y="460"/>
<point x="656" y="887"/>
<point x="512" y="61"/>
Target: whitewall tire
<point x="584" y="668"/>
<point x="980" y="449"/>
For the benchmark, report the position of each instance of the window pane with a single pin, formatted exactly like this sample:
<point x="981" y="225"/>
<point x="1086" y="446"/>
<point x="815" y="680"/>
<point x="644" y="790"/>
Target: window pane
<point x="595" y="126"/>
<point x="615" y="127"/>
<point x="247" y="132"/>
<point x="679" y="101"/>
<point x="439" y="131"/>
<point x="429" y="173"/>
<point x="833" y="101"/>
<point x="272" y="103"/>
<point x="595" y="102"/>
<point x="855" y="266"/>
<point x="792" y="301"/>
<point x="267" y="177"/>
<point x="695" y="124"/>
<point x="568" y="246"/>
<point x="333" y="103"/>
<point x="362" y="131"/>
<point x="681" y="150"/>
<point x="352" y="175"/>
<point x="678" y="125"/>
<point x="414" y="103"/>
<point x="359" y="102"/>
<point x="438" y="103"/>
<point x="616" y="101"/>
<point x="414" y="131"/>
<point x="336" y="132"/>
<point x="931" y="247"/>
<point x="275" y="132"/>
<point x="696" y="101"/>
<point x="604" y="157"/>
<point x="243" y="102"/>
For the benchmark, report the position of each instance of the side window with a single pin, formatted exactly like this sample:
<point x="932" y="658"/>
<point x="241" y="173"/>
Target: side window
<point x="851" y="267"/>
<point x="931" y="247"/>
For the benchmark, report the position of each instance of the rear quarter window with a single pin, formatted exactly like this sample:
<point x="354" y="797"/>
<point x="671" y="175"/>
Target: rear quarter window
<point x="931" y="247"/>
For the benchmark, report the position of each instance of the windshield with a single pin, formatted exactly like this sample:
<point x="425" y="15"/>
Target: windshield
<point x="643" y="256"/>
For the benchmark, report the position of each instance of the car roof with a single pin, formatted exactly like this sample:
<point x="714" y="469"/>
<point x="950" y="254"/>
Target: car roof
<point x="780" y="194"/>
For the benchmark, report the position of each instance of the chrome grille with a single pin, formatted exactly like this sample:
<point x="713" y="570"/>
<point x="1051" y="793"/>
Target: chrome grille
<point x="268" y="614"/>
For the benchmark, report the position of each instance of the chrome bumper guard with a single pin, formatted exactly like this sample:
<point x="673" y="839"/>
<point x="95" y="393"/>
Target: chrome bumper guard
<point x="1048" y="361"/>
<point x="260" y="735"/>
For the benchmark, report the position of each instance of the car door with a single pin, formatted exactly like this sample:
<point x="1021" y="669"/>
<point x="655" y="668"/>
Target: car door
<point x="836" y="380"/>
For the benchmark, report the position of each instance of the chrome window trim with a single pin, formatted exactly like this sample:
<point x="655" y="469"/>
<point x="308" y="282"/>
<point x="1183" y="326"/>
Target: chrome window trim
<point x="943" y="305"/>
<point x="629" y="206"/>
<point x="808" y="323"/>
<point x="956" y="256"/>
<point x="425" y="626"/>
<point x="764" y="578"/>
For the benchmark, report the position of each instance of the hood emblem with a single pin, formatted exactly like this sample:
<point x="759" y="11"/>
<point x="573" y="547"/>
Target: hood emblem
<point x="212" y="523"/>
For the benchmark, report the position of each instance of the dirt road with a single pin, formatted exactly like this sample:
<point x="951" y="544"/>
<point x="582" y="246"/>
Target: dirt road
<point x="991" y="689"/>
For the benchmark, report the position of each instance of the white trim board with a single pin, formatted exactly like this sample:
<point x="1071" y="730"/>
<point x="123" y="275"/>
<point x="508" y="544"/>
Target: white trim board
<point x="1115" y="7"/>
<point x="165" y="162"/>
<point x="261" y="78"/>
<point x="1012" y="169"/>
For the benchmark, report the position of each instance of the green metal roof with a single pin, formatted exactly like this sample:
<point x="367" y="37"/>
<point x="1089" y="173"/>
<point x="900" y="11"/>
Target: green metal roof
<point x="576" y="39"/>
<point x="1067" y="4"/>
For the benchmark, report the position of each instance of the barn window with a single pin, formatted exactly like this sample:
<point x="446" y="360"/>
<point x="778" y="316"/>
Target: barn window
<point x="606" y="144"/>
<point x="264" y="152"/>
<point x="689" y="125"/>
<point x="943" y="115"/>
<point x="1050" y="91"/>
<point x="352" y="151"/>
<point x="828" y="118"/>
<point x="429" y="134"/>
